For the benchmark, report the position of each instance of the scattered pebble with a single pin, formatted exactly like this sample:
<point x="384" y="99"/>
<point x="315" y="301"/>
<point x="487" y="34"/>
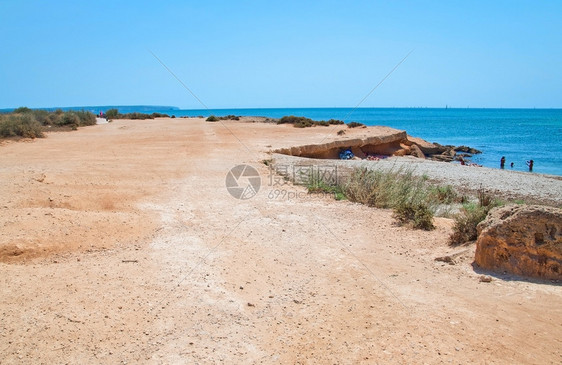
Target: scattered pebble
<point x="485" y="279"/>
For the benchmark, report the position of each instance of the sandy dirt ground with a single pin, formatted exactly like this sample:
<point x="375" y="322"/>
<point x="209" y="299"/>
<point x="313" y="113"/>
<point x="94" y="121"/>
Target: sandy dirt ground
<point x="119" y="243"/>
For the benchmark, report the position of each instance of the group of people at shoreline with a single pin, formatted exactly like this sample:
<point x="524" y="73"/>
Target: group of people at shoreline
<point x="530" y="164"/>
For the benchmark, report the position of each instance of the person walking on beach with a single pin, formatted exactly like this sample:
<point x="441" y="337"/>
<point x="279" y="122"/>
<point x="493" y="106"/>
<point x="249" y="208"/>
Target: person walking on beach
<point x="502" y="162"/>
<point x="530" y="164"/>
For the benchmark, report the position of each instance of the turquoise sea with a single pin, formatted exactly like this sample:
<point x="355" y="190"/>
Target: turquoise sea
<point x="518" y="134"/>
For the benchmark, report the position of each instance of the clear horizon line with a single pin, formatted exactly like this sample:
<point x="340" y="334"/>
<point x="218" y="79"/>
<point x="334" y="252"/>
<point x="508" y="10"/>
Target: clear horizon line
<point x="301" y="107"/>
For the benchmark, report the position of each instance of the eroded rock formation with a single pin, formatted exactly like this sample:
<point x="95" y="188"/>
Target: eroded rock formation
<point x="385" y="141"/>
<point x="523" y="240"/>
<point x="387" y="144"/>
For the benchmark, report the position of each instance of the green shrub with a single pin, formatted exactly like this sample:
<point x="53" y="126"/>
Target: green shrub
<point x="22" y="109"/>
<point x="384" y="189"/>
<point x="290" y="119"/>
<point x="410" y="196"/>
<point x="418" y="214"/>
<point x="53" y="119"/>
<point x="316" y="185"/>
<point x="212" y="118"/>
<point x="400" y="189"/>
<point x="464" y="229"/>
<point x="445" y="194"/>
<point x="112" y="114"/>
<point x="29" y="123"/>
<point x="229" y="117"/>
<point x="303" y="122"/>
<point x="20" y="125"/>
<point x="69" y="119"/>
<point x="85" y="118"/>
<point x="136" y="115"/>
<point x="159" y="115"/>
<point x="355" y="124"/>
<point x="335" y="122"/>
<point x="42" y="116"/>
<point x="466" y="221"/>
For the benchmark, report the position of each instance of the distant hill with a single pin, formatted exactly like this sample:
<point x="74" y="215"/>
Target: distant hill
<point x="97" y="108"/>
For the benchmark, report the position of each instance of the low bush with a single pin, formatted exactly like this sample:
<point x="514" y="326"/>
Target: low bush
<point x="466" y="221"/>
<point x="22" y="109"/>
<point x="410" y="196"/>
<point x="135" y="116"/>
<point x="229" y="117"/>
<point x="20" y="125"/>
<point x="29" y="123"/>
<point x="317" y="185"/>
<point x="214" y="118"/>
<point x="355" y="124"/>
<point x="68" y="119"/>
<point x="304" y="122"/>
<point x="386" y="189"/>
<point x="112" y="114"/>
<point x="42" y="116"/>
<point x="445" y="194"/>
<point x="86" y="118"/>
<point x="418" y="214"/>
<point x="158" y="115"/>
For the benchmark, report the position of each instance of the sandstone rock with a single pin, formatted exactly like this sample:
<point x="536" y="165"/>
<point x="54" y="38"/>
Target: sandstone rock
<point x="416" y="151"/>
<point x="426" y="147"/>
<point x="523" y="240"/>
<point x="442" y="158"/>
<point x="357" y="152"/>
<point x="472" y="151"/>
<point x="450" y="152"/>
<point x="485" y="279"/>
<point x="402" y="151"/>
<point x="387" y="142"/>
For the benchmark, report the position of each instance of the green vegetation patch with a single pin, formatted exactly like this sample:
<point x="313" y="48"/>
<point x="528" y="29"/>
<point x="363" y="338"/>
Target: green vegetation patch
<point x="29" y="123"/>
<point x="114" y="114"/>
<point x="466" y="221"/>
<point x="355" y="125"/>
<point x="303" y="122"/>
<point x="411" y="197"/>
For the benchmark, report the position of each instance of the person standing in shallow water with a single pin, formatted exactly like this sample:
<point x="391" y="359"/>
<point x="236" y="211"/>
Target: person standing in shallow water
<point x="530" y="164"/>
<point x="502" y="162"/>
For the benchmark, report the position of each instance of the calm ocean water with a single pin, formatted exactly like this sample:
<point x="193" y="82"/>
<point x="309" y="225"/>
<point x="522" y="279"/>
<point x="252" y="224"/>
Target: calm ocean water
<point x="518" y="134"/>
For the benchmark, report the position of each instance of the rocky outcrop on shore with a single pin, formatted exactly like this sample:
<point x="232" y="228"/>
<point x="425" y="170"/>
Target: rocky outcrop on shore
<point x="437" y="152"/>
<point x="390" y="143"/>
<point x="522" y="240"/>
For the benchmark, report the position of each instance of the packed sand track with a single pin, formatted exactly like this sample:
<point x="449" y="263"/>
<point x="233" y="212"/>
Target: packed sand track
<point x="119" y="243"/>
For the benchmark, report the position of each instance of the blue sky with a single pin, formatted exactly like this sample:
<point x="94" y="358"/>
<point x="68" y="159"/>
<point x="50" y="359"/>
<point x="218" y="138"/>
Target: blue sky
<point x="281" y="54"/>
